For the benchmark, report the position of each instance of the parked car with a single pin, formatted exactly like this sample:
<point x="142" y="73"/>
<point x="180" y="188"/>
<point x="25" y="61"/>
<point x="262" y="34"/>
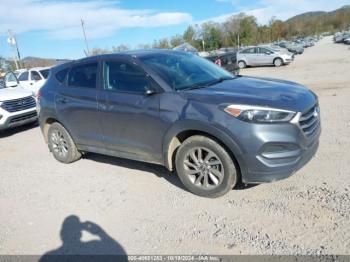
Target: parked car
<point x="33" y="79"/>
<point x="17" y="105"/>
<point x="258" y="56"/>
<point x="179" y="110"/>
<point x="292" y="47"/>
<point x="227" y="61"/>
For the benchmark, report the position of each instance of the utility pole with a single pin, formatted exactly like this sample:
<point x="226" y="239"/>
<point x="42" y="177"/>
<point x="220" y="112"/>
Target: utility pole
<point x="87" y="52"/>
<point x="238" y="41"/>
<point x="13" y="43"/>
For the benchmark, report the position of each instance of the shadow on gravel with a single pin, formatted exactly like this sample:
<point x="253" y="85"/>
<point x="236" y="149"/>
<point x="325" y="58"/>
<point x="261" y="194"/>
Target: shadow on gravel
<point x="74" y="249"/>
<point x="15" y="130"/>
<point x="241" y="186"/>
<point x="158" y="170"/>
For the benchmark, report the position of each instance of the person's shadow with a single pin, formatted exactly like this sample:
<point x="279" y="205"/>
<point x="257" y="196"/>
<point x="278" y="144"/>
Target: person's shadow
<point x="73" y="249"/>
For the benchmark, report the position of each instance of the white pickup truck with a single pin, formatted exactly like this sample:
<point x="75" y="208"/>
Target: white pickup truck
<point x="17" y="105"/>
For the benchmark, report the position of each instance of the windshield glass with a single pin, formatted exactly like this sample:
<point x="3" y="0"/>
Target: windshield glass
<point x="183" y="70"/>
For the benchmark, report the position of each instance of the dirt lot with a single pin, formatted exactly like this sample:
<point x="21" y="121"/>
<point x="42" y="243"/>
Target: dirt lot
<point x="146" y="210"/>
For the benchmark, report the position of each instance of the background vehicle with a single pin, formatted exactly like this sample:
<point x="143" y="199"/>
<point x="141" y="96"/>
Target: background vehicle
<point x="17" y="106"/>
<point x="227" y="61"/>
<point x="179" y="110"/>
<point x="33" y="79"/>
<point x="257" y="56"/>
<point x="292" y="47"/>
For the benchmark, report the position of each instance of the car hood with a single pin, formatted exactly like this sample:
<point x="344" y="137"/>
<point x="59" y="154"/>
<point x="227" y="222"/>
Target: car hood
<point x="257" y="91"/>
<point x="14" y="93"/>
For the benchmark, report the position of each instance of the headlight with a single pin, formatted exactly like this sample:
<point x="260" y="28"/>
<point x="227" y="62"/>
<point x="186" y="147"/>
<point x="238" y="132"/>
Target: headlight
<point x="258" y="114"/>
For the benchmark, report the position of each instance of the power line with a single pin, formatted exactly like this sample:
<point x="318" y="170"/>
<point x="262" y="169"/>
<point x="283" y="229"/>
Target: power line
<point x="87" y="52"/>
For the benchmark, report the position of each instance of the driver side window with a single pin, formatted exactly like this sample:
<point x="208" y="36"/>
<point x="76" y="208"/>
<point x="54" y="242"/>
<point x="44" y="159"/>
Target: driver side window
<point x="23" y="76"/>
<point x="124" y="77"/>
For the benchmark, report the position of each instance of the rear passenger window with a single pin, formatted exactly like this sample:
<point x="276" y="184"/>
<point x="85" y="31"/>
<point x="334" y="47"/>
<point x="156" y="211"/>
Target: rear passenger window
<point x="250" y="51"/>
<point x="61" y="75"/>
<point x="35" y="76"/>
<point x="83" y="76"/>
<point x="125" y="77"/>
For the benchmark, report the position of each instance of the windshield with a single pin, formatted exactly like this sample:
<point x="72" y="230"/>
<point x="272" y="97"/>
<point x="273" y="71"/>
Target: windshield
<point x="183" y="70"/>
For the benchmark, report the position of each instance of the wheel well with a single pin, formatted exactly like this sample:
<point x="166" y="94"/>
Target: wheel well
<point x="277" y="58"/>
<point x="177" y="140"/>
<point x="46" y="127"/>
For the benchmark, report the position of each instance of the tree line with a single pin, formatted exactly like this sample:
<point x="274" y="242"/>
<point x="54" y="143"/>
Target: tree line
<point x="243" y="29"/>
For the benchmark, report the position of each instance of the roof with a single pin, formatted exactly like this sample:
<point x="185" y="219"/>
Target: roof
<point x="132" y="53"/>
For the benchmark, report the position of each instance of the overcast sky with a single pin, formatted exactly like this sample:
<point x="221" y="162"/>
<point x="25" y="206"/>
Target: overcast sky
<point x="51" y="28"/>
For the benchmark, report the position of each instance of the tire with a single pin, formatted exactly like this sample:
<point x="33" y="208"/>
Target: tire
<point x="242" y="64"/>
<point x="278" y="62"/>
<point x="62" y="145"/>
<point x="199" y="176"/>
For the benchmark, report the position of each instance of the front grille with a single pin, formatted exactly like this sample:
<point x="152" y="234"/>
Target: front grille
<point x="19" y="104"/>
<point x="23" y="118"/>
<point x="310" y="120"/>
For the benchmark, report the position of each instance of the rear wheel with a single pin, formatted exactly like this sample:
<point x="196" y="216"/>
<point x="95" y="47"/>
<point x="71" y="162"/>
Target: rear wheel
<point x="62" y="145"/>
<point x="205" y="167"/>
<point x="242" y="64"/>
<point x="278" y="62"/>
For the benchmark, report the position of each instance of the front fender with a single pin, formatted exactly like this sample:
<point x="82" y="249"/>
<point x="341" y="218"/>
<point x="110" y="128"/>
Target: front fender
<point x="169" y="140"/>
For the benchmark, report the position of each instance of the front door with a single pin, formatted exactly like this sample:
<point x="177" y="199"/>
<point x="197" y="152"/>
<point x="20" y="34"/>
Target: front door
<point x="129" y="109"/>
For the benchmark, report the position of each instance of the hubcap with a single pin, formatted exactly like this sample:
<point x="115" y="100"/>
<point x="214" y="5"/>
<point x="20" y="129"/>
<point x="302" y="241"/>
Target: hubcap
<point x="59" y="144"/>
<point x="204" y="168"/>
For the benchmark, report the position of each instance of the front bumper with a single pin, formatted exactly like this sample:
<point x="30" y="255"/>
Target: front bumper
<point x="10" y="120"/>
<point x="270" y="152"/>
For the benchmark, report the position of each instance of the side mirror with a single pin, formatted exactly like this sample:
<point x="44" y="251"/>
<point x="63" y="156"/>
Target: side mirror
<point x="11" y="80"/>
<point x="149" y="90"/>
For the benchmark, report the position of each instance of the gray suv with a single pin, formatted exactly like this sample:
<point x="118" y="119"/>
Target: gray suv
<point x="183" y="112"/>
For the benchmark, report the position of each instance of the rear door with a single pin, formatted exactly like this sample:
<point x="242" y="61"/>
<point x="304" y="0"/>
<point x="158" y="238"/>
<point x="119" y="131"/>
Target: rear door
<point x="129" y="116"/>
<point x="251" y="56"/>
<point x="76" y="104"/>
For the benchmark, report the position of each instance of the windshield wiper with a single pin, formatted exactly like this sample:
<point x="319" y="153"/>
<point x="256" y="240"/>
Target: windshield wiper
<point x="217" y="81"/>
<point x="206" y="84"/>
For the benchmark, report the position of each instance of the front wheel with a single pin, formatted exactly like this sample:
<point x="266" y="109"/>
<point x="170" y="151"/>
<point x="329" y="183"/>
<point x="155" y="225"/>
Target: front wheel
<point x="278" y="62"/>
<point x="205" y="167"/>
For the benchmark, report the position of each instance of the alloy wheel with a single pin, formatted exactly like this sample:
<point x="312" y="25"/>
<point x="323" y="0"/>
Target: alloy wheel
<point x="203" y="168"/>
<point x="59" y="144"/>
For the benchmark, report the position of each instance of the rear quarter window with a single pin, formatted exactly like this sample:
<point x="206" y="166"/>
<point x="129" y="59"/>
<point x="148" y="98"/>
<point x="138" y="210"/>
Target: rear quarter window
<point x="61" y="75"/>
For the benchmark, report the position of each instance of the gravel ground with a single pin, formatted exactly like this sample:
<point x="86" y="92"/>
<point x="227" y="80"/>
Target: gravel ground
<point x="146" y="210"/>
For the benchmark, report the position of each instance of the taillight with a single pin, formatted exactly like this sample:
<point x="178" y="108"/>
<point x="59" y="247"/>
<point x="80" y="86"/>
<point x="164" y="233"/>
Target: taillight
<point x="218" y="62"/>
